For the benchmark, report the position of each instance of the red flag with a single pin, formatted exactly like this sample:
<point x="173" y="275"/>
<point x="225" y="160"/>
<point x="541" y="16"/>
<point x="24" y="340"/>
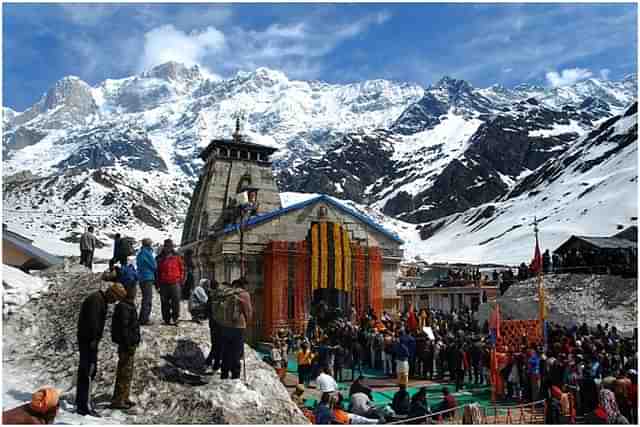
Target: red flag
<point x="536" y="264"/>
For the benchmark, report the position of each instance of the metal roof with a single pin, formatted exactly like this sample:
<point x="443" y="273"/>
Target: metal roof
<point x="42" y="257"/>
<point x="608" y="242"/>
<point x="602" y="242"/>
<point x="259" y="219"/>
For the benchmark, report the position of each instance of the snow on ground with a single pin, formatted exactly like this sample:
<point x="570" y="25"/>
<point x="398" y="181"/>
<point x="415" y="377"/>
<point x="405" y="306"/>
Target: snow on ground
<point x="19" y="287"/>
<point x="558" y="129"/>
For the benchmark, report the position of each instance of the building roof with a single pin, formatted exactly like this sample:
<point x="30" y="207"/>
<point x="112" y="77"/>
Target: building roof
<point x="601" y="242"/>
<point x="259" y="219"/>
<point x="629" y="233"/>
<point x="42" y="258"/>
<point x="236" y="144"/>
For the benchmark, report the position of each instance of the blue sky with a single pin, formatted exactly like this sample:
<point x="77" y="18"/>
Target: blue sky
<point x="547" y="44"/>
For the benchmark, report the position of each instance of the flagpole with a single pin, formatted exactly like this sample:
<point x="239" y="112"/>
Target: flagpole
<point x="541" y="295"/>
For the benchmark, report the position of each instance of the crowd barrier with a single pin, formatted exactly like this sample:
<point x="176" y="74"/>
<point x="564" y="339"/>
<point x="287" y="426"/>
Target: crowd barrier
<point x="527" y="413"/>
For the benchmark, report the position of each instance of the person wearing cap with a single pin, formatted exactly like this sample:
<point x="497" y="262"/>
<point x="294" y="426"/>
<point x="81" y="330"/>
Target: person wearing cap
<point x="125" y="332"/>
<point x="171" y="275"/>
<point x="42" y="409"/>
<point x="147" y="270"/>
<point x="93" y="315"/>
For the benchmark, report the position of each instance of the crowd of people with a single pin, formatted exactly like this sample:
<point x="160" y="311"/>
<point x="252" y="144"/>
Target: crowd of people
<point x="585" y="372"/>
<point x="580" y="371"/>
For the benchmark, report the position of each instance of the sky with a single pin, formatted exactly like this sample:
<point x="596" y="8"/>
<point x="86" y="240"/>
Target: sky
<point x="508" y="44"/>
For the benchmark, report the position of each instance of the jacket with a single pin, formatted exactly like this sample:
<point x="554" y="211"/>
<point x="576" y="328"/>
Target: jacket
<point x="87" y="242"/>
<point x="125" y="329"/>
<point x="147" y="266"/>
<point x="93" y="315"/>
<point x="401" y="402"/>
<point x="23" y="415"/>
<point x="323" y="414"/>
<point x="128" y="276"/>
<point x="401" y="351"/>
<point x="171" y="270"/>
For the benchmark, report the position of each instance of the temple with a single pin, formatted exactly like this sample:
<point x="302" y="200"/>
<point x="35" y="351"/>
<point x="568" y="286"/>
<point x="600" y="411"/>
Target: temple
<point x="294" y="257"/>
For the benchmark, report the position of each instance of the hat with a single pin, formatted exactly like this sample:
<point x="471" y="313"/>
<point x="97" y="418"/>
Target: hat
<point x="632" y="372"/>
<point x="204" y="282"/>
<point x="300" y="389"/>
<point x="118" y="291"/>
<point x="44" y="400"/>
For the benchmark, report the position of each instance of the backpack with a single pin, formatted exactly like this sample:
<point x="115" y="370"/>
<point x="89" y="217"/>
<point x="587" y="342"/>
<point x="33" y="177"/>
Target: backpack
<point x="226" y="306"/>
<point x="170" y="270"/>
<point x="128" y="275"/>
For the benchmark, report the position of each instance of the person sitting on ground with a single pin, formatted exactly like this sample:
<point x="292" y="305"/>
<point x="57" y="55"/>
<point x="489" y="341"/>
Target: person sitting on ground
<point x="42" y="409"/>
<point x="361" y="405"/>
<point x="198" y="301"/>
<point x="359" y="387"/>
<point x="419" y="406"/>
<point x="323" y="414"/>
<point x="448" y="402"/>
<point x="325" y="382"/>
<point x="298" y="396"/>
<point x="343" y="417"/>
<point x="401" y="401"/>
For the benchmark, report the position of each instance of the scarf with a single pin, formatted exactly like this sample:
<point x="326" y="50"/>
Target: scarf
<point x="608" y="402"/>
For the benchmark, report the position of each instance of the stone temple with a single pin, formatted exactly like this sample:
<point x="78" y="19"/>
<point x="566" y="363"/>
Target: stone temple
<point x="293" y="257"/>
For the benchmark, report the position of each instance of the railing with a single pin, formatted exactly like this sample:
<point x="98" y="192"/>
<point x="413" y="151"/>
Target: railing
<point x="392" y="253"/>
<point x="508" y="414"/>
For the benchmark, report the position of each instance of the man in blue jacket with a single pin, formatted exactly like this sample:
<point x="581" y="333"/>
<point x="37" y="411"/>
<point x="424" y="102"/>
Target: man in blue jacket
<point x="147" y="269"/>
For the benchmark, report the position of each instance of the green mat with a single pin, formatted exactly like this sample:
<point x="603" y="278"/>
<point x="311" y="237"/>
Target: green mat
<point x="480" y="394"/>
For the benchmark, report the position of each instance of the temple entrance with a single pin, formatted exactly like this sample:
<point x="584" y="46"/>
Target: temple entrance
<point x="330" y="275"/>
<point x="321" y="275"/>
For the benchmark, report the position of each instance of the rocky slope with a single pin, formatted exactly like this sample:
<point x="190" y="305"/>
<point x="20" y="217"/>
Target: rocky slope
<point x="39" y="347"/>
<point x="576" y="298"/>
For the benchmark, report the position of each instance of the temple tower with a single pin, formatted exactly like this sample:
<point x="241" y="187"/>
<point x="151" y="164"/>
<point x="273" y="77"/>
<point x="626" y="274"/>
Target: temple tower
<point x="237" y="173"/>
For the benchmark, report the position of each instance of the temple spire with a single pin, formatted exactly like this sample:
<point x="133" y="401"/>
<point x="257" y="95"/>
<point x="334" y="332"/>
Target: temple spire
<point x="236" y="135"/>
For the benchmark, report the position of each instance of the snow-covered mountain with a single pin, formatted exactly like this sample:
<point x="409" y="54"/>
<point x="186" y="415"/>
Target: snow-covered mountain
<point x="589" y="189"/>
<point x="126" y="150"/>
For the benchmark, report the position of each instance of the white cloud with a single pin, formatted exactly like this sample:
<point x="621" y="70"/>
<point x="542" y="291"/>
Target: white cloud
<point x="567" y="76"/>
<point x="166" y="43"/>
<point x="294" y="48"/>
<point x="604" y="73"/>
<point x="507" y="70"/>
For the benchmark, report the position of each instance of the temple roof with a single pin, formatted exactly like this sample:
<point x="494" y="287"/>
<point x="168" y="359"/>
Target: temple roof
<point x="268" y="216"/>
<point x="237" y="144"/>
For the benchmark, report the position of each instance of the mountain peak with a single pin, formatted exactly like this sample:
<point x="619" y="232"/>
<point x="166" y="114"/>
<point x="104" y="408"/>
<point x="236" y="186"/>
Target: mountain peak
<point x="70" y="90"/>
<point x="173" y="70"/>
<point x="453" y="85"/>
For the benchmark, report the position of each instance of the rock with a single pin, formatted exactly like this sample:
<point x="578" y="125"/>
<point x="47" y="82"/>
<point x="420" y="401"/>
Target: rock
<point x="49" y="351"/>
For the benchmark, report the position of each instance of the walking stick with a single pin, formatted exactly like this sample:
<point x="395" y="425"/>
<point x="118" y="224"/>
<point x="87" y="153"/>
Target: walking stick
<point x="242" y="275"/>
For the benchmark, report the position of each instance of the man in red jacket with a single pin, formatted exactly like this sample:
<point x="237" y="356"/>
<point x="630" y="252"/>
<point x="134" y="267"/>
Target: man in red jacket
<point x="171" y="275"/>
